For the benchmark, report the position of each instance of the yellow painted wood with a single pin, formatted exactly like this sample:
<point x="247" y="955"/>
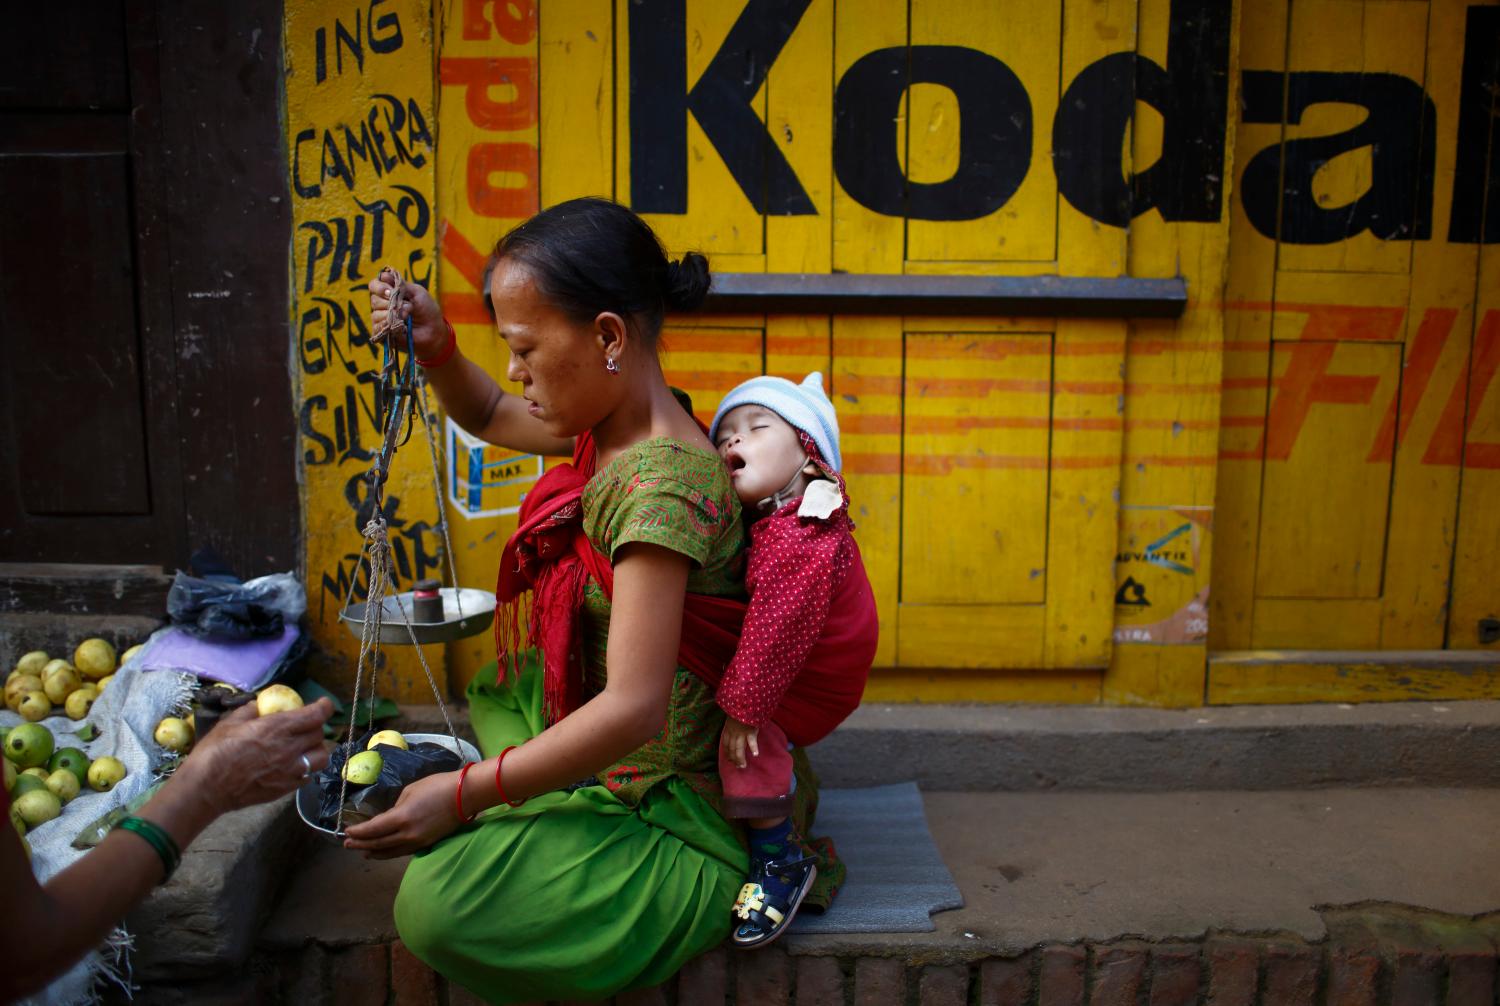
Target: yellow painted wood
<point x="1089" y="359"/>
<point x="1026" y="35"/>
<point x="1424" y="496"/>
<point x="799" y="96"/>
<point x="1324" y="508"/>
<point x="709" y="360"/>
<point x="1083" y="488"/>
<point x="975" y="454"/>
<point x="867" y="351"/>
<point x="987" y="325"/>
<point x="985" y="685"/>
<point x="961" y="267"/>
<point x="1166" y="676"/>
<point x="953" y="635"/>
<point x="333" y="543"/>
<point x="575" y="65"/>
<point x="1477" y="555"/>
<point x="1171" y="436"/>
<point x="1327" y="624"/>
<point x="1248" y="295"/>
<point x="866" y="387"/>
<point x="1351" y="36"/>
<point x="470" y="234"/>
<point x="797" y="345"/>
<point x="863" y="240"/>
<point x="1321" y="306"/>
<point x="1323" y="676"/>
<point x="719" y="217"/>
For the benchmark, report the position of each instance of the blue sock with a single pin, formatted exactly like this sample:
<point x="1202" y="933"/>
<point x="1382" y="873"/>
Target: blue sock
<point x="770" y="843"/>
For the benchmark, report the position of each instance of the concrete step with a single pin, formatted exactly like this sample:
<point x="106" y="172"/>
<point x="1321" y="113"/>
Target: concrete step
<point x="1264" y="896"/>
<point x="1027" y="748"/>
<point x="1017" y="748"/>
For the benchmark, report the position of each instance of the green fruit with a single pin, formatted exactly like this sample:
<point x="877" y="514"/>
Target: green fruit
<point x="38" y="807"/>
<point x="10" y="774"/>
<point x="29" y="744"/>
<point x="364" y="768"/>
<point x="73" y="760"/>
<point x="17" y="823"/>
<point x="105" y="772"/>
<point x="27" y="784"/>
<point x="39" y="771"/>
<point x="63" y="784"/>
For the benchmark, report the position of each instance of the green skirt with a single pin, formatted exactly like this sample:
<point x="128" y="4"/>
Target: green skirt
<point x="571" y="895"/>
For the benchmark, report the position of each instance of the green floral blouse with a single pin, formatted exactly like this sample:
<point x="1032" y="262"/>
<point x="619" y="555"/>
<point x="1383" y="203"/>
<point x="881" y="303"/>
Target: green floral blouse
<point x="664" y="492"/>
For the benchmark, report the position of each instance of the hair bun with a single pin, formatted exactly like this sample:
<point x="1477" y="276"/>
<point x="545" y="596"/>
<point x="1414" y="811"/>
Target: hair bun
<point x="688" y="281"/>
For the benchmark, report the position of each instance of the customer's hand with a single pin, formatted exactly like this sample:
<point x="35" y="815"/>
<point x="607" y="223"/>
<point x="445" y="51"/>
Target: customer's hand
<point x="248" y="759"/>
<point x="428" y="330"/>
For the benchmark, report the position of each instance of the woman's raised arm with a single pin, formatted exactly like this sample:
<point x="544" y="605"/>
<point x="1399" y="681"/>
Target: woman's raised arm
<point x="645" y="628"/>
<point x="471" y="397"/>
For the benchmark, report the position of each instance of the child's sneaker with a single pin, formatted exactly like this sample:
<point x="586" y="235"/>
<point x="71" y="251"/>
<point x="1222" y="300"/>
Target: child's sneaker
<point x="770" y="898"/>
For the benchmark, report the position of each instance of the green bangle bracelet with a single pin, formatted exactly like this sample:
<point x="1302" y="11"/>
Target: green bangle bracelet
<point x="156" y="837"/>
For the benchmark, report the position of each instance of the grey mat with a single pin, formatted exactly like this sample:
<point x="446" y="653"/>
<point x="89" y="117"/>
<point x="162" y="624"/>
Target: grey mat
<point x="896" y="877"/>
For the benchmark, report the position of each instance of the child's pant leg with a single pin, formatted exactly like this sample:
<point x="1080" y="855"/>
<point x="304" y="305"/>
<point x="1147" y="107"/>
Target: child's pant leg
<point x="763" y="788"/>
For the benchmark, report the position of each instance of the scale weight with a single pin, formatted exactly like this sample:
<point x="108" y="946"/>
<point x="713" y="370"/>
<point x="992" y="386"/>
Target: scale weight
<point x="397" y="610"/>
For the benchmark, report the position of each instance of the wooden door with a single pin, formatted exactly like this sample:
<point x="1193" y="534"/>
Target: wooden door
<point x="1350" y="313"/>
<point x="88" y="447"/>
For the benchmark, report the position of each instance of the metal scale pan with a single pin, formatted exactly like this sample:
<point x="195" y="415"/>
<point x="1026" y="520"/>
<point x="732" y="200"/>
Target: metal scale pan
<point x="397" y="610"/>
<point x="310" y="795"/>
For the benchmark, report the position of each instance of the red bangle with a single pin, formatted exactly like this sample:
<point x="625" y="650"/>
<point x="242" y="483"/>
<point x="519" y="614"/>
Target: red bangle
<point x="458" y="798"/>
<point x="445" y="354"/>
<point x="498" y="787"/>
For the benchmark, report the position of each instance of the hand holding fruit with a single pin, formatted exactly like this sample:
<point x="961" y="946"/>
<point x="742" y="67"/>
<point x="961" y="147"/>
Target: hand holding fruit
<point x="248" y="758"/>
<point x="424" y="813"/>
<point x="428" y="331"/>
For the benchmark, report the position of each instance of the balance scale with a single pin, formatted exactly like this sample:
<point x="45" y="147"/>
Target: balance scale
<point x="429" y="612"/>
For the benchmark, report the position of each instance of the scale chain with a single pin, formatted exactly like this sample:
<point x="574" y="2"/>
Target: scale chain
<point x="437" y="491"/>
<point x="377" y="542"/>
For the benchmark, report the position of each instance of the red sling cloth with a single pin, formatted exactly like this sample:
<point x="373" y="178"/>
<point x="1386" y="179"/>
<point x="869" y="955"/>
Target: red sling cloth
<point x="550" y="555"/>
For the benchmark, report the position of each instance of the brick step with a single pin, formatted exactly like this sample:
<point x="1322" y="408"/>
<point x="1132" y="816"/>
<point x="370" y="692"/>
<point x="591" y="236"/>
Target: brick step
<point x="1399" y="962"/>
<point x="1339" y="896"/>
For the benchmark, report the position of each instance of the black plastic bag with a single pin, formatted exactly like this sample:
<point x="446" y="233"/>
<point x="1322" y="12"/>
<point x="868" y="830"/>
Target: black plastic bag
<point x="398" y="769"/>
<point x="223" y="610"/>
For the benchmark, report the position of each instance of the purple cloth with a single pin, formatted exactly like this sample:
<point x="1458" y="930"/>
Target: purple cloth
<point x="244" y="663"/>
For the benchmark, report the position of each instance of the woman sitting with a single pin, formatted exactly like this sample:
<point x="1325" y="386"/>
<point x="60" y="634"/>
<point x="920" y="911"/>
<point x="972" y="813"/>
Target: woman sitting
<point x="599" y="861"/>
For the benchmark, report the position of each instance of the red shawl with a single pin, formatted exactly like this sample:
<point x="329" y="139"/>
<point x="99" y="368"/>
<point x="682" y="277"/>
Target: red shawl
<point x="551" y="556"/>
